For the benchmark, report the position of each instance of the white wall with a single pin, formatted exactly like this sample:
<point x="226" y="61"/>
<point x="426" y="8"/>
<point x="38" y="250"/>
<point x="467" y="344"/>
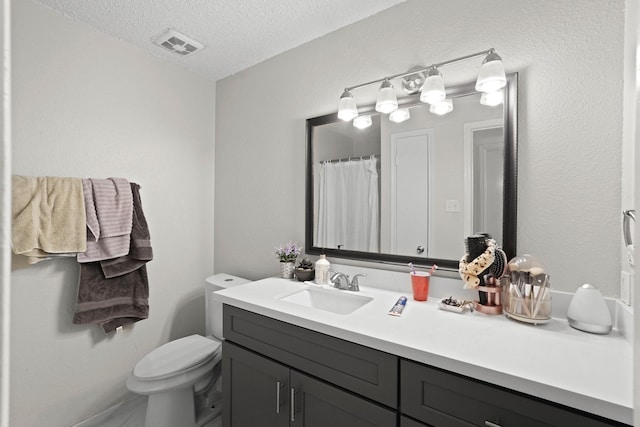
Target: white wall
<point x="87" y="105"/>
<point x="5" y="212"/>
<point x="631" y="172"/>
<point x="570" y="124"/>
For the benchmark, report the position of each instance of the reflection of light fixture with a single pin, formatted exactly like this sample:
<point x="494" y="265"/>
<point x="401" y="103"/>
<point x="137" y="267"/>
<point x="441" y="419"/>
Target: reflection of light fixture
<point x="400" y="115"/>
<point x="490" y="79"/>
<point x="442" y="107"/>
<point x="362" y="122"/>
<point x="492" y="99"/>
<point x="433" y="88"/>
<point x="347" y="109"/>
<point x="491" y="76"/>
<point x="387" y="101"/>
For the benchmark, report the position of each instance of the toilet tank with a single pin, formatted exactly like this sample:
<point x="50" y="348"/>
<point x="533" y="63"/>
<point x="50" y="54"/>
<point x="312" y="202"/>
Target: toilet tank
<point x="213" y="308"/>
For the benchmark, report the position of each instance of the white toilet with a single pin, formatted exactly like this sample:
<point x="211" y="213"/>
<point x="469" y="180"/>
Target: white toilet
<point x="181" y="377"/>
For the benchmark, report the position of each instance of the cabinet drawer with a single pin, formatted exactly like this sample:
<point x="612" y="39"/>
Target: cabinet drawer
<point x="363" y="370"/>
<point x="408" y="422"/>
<point x="444" y="399"/>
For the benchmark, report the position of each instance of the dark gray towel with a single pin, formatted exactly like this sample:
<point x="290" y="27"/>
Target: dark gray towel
<point x="140" y="251"/>
<point x="112" y="302"/>
<point x="115" y="292"/>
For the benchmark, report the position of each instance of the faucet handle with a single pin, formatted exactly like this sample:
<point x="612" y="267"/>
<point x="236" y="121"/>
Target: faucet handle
<point x="355" y="286"/>
<point x="340" y="280"/>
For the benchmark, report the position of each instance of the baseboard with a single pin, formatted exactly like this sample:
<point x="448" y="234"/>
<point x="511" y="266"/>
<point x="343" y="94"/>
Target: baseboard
<point x="120" y="409"/>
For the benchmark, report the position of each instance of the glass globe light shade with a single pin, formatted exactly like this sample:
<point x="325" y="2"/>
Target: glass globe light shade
<point x="362" y="122"/>
<point x="433" y="88"/>
<point x="442" y="107"/>
<point x="347" y="109"/>
<point x="492" y="99"/>
<point x="387" y="101"/>
<point x="491" y="76"/>
<point x="400" y="115"/>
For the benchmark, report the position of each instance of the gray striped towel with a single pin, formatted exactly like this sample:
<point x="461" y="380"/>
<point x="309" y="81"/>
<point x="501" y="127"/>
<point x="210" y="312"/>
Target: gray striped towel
<point x="111" y="202"/>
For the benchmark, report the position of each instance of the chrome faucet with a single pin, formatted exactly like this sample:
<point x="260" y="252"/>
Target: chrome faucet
<point x="341" y="281"/>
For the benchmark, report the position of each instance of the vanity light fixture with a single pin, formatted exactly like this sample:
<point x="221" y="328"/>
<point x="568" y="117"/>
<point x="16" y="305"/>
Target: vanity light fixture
<point x="433" y="88"/>
<point x="441" y="108"/>
<point x="491" y="78"/>
<point x="362" y="122"/>
<point x="400" y="115"/>
<point x="387" y="101"/>
<point x="492" y="99"/>
<point x="347" y="109"/>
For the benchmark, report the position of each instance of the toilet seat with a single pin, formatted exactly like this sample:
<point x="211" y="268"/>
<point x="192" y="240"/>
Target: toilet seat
<point x="176" y="357"/>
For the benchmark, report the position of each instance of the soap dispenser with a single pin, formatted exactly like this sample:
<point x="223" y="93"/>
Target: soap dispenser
<point x="322" y="270"/>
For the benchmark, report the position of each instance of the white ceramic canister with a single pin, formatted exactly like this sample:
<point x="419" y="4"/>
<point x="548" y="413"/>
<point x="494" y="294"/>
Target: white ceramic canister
<point x="322" y="270"/>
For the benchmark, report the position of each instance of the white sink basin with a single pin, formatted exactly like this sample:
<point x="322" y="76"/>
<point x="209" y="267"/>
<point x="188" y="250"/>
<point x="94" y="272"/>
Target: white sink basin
<point x="334" y="301"/>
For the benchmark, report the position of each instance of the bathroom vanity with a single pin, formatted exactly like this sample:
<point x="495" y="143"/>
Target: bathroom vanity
<point x="293" y="363"/>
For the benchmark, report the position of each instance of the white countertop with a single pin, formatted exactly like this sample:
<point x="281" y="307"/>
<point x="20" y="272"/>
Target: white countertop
<point x="552" y="361"/>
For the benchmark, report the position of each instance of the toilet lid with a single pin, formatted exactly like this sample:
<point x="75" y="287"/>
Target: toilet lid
<point x="175" y="357"/>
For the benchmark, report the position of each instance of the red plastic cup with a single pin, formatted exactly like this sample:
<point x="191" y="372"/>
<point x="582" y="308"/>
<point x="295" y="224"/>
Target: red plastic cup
<point x="420" y="285"/>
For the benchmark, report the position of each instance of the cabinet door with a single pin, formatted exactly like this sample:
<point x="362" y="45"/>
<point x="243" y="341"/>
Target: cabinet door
<point x="255" y="389"/>
<point x="317" y="404"/>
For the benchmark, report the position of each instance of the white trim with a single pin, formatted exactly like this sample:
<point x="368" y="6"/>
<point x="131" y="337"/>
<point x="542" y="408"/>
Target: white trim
<point x="469" y="129"/>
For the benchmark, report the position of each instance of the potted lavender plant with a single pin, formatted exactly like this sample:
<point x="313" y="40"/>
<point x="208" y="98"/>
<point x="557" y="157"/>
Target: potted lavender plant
<point x="287" y="255"/>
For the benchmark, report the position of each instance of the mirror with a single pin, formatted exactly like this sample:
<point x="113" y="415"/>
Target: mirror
<point x="412" y="191"/>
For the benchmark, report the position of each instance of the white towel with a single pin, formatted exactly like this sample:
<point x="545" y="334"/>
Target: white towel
<point x="113" y="205"/>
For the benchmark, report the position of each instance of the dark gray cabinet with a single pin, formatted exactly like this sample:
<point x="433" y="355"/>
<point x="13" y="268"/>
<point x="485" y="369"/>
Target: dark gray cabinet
<point x="279" y="374"/>
<point x="261" y="392"/>
<point x="444" y="399"/>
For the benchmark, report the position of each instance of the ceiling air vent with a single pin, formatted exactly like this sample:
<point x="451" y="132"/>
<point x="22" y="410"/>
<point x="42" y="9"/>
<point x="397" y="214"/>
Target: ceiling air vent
<point x="177" y="42"/>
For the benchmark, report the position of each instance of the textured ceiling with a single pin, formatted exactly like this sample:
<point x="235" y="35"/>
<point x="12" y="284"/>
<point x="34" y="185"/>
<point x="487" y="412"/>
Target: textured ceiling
<point x="236" y="33"/>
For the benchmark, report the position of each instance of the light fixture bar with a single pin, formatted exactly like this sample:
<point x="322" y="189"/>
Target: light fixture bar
<point x="491" y="78"/>
<point x="422" y="70"/>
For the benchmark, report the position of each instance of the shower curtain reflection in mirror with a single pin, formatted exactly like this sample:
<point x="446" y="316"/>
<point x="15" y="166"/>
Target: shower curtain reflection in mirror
<point x="348" y="205"/>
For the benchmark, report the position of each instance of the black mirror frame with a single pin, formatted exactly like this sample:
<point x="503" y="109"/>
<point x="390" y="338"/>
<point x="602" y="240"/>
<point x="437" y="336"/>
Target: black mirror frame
<point x="510" y="189"/>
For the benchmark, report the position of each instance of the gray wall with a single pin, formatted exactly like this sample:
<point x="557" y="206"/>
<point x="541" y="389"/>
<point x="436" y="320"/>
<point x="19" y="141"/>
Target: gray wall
<point x="570" y="124"/>
<point x="88" y="105"/>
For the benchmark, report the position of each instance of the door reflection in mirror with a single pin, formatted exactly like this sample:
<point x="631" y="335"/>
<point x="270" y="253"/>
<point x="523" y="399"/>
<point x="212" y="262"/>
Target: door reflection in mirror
<point x="406" y="230"/>
<point x="484" y="165"/>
